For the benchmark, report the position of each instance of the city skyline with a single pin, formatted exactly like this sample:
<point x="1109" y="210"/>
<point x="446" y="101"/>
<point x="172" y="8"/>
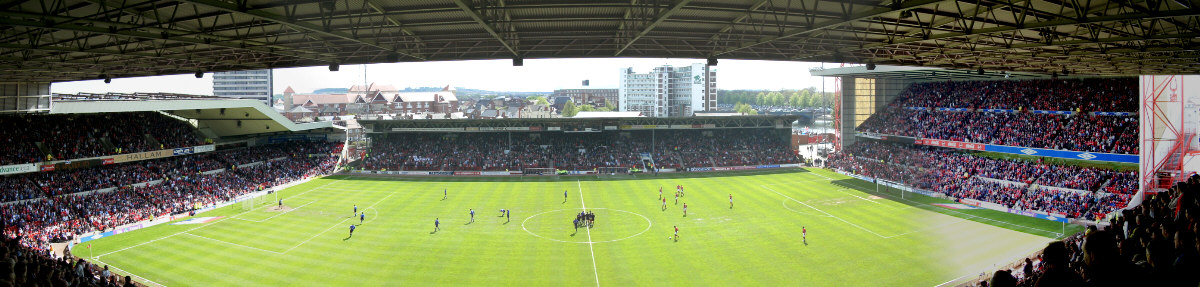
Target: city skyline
<point x="537" y="75"/>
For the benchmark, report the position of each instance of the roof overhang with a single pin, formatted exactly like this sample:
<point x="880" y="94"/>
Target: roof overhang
<point x="225" y="117"/>
<point x="919" y="73"/>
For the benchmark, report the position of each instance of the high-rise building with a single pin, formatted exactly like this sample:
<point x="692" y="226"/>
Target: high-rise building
<point x="252" y="84"/>
<point x="668" y="91"/>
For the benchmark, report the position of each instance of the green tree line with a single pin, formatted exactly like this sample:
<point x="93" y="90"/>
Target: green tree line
<point x="570" y="109"/>
<point x="805" y="98"/>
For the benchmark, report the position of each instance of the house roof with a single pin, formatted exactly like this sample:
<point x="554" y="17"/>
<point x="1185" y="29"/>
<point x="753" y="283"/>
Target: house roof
<point x="289" y="90"/>
<point x="300" y="109"/>
<point x="324" y="99"/>
<point x="373" y="87"/>
<point x="425" y="97"/>
<point x="329" y="109"/>
<point x="490" y="113"/>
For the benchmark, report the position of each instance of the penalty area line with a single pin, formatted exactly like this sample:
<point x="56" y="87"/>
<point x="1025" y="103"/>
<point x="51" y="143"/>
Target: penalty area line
<point x="231" y="243"/>
<point x="826" y="213"/>
<point x="281" y="213"/>
<point x="197" y="227"/>
<point x="114" y="267"/>
<point x="336" y="225"/>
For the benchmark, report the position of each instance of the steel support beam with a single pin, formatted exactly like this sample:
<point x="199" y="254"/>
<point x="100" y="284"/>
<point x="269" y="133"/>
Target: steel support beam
<point x="875" y="12"/>
<point x="234" y="9"/>
<point x="484" y="24"/>
<point x="663" y="16"/>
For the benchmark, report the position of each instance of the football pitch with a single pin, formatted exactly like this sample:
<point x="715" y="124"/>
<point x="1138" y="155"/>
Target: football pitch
<point x="856" y="236"/>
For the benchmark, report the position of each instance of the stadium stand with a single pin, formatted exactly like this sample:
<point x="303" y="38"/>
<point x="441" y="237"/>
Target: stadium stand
<point x="24" y="268"/>
<point x="1072" y="191"/>
<point x="1094" y="95"/>
<point x="914" y="113"/>
<point x="56" y="206"/>
<point x="61" y="137"/>
<point x="1153" y="244"/>
<point x="575" y="151"/>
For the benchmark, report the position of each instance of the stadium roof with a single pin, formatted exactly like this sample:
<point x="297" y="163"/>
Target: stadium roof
<point x="224" y="117"/>
<point x="63" y="40"/>
<point x="919" y="73"/>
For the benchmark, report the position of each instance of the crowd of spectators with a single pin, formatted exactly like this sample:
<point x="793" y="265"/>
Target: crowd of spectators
<point x="1087" y="95"/>
<point x="1089" y="133"/>
<point x="59" y="205"/>
<point x="77" y="136"/>
<point x="1006" y="194"/>
<point x="1152" y="244"/>
<point x="1030" y="185"/>
<point x="18" y="188"/>
<point x="21" y="267"/>
<point x="577" y="151"/>
<point x="914" y="114"/>
<point x="40" y="221"/>
<point x="1074" y="177"/>
<point x="1123" y="183"/>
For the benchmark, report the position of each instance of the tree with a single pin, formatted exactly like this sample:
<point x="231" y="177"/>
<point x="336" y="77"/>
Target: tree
<point x="744" y="109"/>
<point x="569" y="109"/>
<point x="539" y="100"/>
<point x="609" y="105"/>
<point x="586" y="108"/>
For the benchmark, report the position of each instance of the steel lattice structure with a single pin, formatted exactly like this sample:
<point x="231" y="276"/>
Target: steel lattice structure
<point x="62" y="40"/>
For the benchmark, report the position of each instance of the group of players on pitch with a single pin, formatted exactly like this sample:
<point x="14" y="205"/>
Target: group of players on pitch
<point x="361" y="216"/>
<point x="583" y="219"/>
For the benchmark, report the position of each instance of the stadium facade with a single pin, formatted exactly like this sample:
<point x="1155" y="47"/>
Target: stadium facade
<point x="250" y="84"/>
<point x="668" y="91"/>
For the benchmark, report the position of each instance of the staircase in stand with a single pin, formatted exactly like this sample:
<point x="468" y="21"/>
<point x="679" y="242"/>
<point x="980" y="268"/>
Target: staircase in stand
<point x="647" y="160"/>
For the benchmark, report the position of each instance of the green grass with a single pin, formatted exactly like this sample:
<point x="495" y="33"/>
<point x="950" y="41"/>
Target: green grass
<point x="856" y="236"/>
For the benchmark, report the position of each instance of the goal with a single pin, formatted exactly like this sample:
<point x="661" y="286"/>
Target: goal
<point x="255" y="201"/>
<point x="887" y="186"/>
<point x="610" y="172"/>
<point x="248" y="203"/>
<point x="538" y="171"/>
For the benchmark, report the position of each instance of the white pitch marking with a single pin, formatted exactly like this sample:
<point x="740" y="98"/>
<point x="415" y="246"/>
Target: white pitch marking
<point x="589" y="233"/>
<point x="231" y="243"/>
<point x="336" y="225"/>
<point x="826" y="213"/>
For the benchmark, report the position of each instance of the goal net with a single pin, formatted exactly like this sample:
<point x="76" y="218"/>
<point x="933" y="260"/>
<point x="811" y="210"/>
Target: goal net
<point x="888" y="186"/>
<point x="538" y="171"/>
<point x="248" y="203"/>
<point x="256" y="201"/>
<point x="613" y="172"/>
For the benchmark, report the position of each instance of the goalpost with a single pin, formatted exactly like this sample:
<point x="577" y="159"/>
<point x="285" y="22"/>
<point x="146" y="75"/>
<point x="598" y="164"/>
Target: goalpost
<point x="881" y="185"/>
<point x="248" y="203"/>
<point x="612" y="171"/>
<point x="254" y="201"/>
<point x="539" y="171"/>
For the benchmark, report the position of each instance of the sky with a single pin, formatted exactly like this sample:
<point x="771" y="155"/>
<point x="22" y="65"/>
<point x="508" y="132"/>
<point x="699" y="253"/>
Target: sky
<point x="537" y="75"/>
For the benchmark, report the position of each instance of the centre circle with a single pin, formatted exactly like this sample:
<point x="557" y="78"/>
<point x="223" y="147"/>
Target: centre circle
<point x="610" y="225"/>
